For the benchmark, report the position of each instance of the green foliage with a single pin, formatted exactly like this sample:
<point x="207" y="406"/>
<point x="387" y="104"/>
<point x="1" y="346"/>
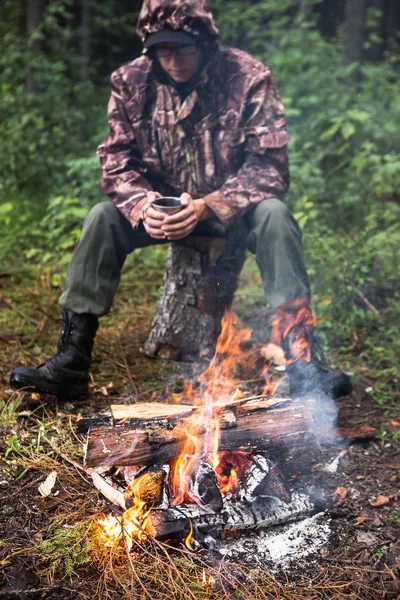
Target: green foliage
<point x="345" y="154"/>
<point x="69" y="547"/>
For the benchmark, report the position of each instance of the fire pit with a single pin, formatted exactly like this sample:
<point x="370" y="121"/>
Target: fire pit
<point x="206" y="463"/>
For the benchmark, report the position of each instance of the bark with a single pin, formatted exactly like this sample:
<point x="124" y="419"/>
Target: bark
<point x="177" y="522"/>
<point x="34" y="16"/>
<point x="252" y="429"/>
<point x="200" y="282"/>
<point x="354" y="32"/>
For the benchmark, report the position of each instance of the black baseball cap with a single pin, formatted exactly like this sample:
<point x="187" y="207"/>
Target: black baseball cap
<point x="169" y="36"/>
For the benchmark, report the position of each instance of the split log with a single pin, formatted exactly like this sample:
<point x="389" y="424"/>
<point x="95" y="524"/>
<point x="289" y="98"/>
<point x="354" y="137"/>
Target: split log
<point x="177" y="522"/>
<point x="288" y="424"/>
<point x="200" y="282"/>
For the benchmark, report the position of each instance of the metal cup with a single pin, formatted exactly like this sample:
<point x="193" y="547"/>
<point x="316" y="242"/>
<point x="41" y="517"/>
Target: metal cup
<point x="168" y="205"/>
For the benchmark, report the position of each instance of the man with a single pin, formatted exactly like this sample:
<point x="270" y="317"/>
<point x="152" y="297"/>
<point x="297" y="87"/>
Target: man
<point x="191" y="119"/>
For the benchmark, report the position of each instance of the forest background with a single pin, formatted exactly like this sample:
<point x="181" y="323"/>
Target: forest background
<point x="337" y="68"/>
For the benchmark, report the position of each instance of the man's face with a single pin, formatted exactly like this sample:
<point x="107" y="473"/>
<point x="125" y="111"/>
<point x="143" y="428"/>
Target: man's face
<point x="179" y="62"/>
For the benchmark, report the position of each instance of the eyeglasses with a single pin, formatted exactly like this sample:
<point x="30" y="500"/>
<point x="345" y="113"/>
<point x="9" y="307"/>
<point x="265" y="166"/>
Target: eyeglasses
<point x="167" y="52"/>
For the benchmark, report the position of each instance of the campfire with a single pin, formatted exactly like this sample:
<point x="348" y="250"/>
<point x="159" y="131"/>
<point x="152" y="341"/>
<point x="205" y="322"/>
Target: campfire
<point x="205" y="463"/>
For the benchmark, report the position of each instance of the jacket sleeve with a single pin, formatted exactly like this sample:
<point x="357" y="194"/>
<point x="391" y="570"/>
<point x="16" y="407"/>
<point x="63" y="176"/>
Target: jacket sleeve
<point x="123" y="168"/>
<point x="265" y="171"/>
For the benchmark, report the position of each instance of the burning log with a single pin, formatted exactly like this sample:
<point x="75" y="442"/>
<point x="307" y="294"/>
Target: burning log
<point x="200" y="281"/>
<point x="256" y="426"/>
<point x="176" y="522"/>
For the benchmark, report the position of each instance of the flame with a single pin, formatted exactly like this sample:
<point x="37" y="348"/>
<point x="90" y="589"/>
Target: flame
<point x="292" y="329"/>
<point x="234" y="360"/>
<point x="182" y="469"/>
<point x="217" y="387"/>
<point x="134" y="521"/>
<point x="210" y="580"/>
<point x="230" y="468"/>
<point x="111" y="530"/>
<point x="132" y="524"/>
<point x="190" y="541"/>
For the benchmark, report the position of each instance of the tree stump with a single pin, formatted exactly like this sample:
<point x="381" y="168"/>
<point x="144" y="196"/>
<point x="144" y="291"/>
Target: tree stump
<point x="199" y="284"/>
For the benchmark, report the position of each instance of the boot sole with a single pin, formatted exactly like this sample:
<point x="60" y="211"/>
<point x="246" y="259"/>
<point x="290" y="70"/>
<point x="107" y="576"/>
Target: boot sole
<point x="76" y="393"/>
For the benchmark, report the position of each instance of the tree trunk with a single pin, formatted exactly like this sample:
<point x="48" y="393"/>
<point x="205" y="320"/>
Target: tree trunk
<point x="354" y="32"/>
<point x="34" y="16"/>
<point x="200" y="282"/>
<point x="86" y="19"/>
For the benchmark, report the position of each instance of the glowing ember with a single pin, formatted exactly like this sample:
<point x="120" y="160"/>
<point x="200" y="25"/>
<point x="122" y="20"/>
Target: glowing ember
<point x="230" y="469"/>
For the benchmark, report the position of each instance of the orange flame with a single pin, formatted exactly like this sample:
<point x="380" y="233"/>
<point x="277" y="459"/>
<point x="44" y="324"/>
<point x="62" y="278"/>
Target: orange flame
<point x="217" y="386"/>
<point x="134" y="521"/>
<point x="182" y="469"/>
<point x="190" y="541"/>
<point x="292" y="329"/>
<point x="131" y="525"/>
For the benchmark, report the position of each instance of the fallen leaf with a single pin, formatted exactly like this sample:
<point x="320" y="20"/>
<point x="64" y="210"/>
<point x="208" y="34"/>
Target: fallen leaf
<point x="46" y="487"/>
<point x="365" y="537"/>
<point x="379" y="501"/>
<point x="339" y="496"/>
<point x="395" y="423"/>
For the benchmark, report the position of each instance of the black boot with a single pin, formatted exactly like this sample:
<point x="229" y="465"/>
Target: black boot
<point x="294" y="330"/>
<point x="309" y="379"/>
<point x="65" y="375"/>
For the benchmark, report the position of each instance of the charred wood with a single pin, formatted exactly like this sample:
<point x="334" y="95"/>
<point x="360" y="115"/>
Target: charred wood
<point x="176" y="522"/>
<point x="289" y="424"/>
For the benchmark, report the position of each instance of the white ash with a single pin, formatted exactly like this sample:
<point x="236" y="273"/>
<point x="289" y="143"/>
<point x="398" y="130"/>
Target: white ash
<point x="257" y="473"/>
<point x="281" y="546"/>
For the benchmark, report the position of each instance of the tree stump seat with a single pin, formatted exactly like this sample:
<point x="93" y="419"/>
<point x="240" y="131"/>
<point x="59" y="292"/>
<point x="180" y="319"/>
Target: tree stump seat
<point x="199" y="284"/>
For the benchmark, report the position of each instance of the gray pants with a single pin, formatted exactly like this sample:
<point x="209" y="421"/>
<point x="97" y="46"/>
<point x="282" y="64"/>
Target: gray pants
<point x="107" y="237"/>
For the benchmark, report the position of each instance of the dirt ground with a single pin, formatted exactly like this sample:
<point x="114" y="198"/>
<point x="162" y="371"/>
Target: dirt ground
<point x="46" y="544"/>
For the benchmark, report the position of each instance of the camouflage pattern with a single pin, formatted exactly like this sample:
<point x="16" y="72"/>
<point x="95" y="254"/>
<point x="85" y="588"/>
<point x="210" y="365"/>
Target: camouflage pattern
<point x="225" y="142"/>
<point x="192" y="16"/>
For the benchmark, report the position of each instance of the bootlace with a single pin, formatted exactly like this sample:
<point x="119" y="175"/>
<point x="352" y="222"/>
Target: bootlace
<point x="66" y="333"/>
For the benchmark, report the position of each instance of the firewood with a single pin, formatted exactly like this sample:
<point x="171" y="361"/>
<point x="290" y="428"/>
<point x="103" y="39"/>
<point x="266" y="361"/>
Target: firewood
<point x="148" y="411"/>
<point x="289" y="424"/>
<point x="176" y="522"/>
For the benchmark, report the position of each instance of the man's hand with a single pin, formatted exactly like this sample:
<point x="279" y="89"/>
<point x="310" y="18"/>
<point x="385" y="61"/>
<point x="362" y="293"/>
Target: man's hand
<point x="153" y="219"/>
<point x="179" y="225"/>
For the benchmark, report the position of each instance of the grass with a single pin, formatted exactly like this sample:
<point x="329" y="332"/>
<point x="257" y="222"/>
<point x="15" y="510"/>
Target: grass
<point x="37" y="438"/>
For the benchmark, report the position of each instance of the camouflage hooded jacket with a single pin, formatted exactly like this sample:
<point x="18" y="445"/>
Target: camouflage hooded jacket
<point x="225" y="142"/>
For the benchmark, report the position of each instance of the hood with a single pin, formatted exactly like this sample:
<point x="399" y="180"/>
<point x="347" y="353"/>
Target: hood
<point x="192" y="16"/>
